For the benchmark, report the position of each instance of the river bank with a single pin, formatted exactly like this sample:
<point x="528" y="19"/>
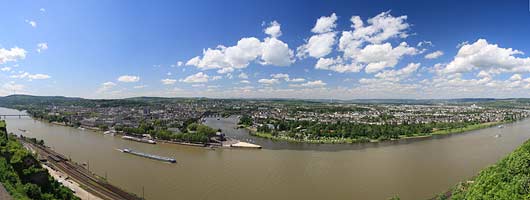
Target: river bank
<point x="337" y="140"/>
<point x="328" y="140"/>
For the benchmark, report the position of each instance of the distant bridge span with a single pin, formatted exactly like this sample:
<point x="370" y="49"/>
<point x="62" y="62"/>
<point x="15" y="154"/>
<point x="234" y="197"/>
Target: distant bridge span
<point x="14" y="115"/>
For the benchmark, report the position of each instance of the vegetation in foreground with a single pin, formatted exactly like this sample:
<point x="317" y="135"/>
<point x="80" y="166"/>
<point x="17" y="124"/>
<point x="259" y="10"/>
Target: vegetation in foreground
<point x="23" y="176"/>
<point x="506" y="180"/>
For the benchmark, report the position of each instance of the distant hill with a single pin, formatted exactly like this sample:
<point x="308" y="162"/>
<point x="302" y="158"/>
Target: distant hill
<point x="14" y="100"/>
<point x="28" y="99"/>
<point x="11" y="100"/>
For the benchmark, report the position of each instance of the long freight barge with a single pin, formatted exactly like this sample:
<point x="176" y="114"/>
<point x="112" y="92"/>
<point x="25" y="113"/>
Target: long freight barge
<point x="154" y="157"/>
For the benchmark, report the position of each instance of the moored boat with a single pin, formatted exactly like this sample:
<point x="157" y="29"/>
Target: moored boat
<point x="144" y="140"/>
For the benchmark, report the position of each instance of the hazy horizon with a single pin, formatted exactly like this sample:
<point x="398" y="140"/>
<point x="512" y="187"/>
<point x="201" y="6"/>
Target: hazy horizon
<point x="270" y="98"/>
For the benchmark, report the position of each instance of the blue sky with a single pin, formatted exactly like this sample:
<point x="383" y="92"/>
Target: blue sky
<point x="269" y="49"/>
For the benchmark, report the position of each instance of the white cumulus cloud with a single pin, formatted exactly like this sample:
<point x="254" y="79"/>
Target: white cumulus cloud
<point x="280" y="76"/>
<point x="128" y="79"/>
<point x="380" y="56"/>
<point x="380" y="28"/>
<point x="168" y="81"/>
<point x="106" y="86"/>
<point x="196" y="78"/>
<point x="337" y="65"/>
<point x="274" y="29"/>
<point x="325" y="24"/>
<point x="11" y="55"/>
<point x="482" y="55"/>
<point x="270" y="51"/>
<point x="31" y="23"/>
<point x="364" y="47"/>
<point x="29" y="76"/>
<point x="317" y="83"/>
<point x="268" y="81"/>
<point x="42" y="46"/>
<point x="12" y="87"/>
<point x="320" y="44"/>
<point x="434" y="55"/>
<point x="398" y="75"/>
<point x="243" y="75"/>
<point x="277" y="53"/>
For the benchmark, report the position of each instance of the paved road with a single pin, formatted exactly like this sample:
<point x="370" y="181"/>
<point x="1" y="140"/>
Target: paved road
<point x="4" y="195"/>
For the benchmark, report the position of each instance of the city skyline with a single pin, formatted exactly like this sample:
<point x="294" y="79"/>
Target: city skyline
<point x="314" y="50"/>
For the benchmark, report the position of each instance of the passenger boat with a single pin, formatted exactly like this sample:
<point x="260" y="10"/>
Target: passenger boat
<point x="144" y="140"/>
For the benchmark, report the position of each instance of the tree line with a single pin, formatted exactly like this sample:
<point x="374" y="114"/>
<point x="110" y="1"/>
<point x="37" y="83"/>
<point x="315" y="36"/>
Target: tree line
<point x="315" y="130"/>
<point x="193" y="132"/>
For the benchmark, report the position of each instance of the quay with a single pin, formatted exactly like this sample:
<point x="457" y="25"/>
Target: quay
<point x="245" y="145"/>
<point x="15" y="115"/>
<point x="144" y="140"/>
<point x="233" y="143"/>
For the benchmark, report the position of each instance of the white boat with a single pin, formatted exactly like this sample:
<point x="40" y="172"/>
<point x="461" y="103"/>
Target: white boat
<point x="111" y="132"/>
<point x="144" y="140"/>
<point x="500" y="126"/>
<point x="497" y="136"/>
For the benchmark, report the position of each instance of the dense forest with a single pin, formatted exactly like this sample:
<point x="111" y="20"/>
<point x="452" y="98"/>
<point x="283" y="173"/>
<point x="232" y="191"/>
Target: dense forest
<point x="22" y="175"/>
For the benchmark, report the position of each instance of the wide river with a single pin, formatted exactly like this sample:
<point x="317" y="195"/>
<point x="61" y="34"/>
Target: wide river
<point x="413" y="169"/>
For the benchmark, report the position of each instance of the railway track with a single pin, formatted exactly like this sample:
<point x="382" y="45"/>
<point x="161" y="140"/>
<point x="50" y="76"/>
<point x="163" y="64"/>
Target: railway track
<point x="89" y="181"/>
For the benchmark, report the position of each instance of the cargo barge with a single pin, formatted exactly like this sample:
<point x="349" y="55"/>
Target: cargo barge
<point x="154" y="157"/>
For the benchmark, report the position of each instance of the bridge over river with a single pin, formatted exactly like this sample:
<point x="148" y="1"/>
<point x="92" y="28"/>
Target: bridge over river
<point x="13" y="115"/>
